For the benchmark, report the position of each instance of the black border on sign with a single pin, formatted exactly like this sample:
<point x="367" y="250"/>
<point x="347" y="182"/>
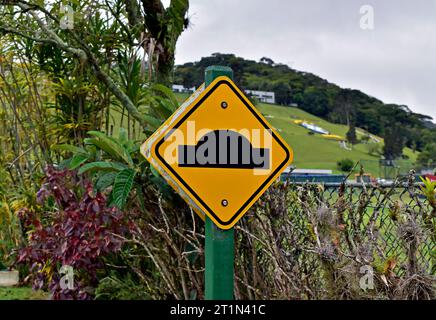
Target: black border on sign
<point x="196" y="106"/>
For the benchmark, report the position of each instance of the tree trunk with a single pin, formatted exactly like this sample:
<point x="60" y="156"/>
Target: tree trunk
<point x="165" y="68"/>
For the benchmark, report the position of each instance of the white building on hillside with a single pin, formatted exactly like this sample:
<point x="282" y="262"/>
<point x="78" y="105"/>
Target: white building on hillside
<point x="181" y="89"/>
<point x="263" y="96"/>
<point x="309" y="171"/>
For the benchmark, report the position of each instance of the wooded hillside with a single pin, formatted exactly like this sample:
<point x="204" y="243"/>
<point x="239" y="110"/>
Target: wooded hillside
<point x="397" y="124"/>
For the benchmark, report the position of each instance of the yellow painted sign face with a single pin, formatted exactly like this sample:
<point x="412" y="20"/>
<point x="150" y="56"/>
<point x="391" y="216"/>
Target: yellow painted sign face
<point x="218" y="152"/>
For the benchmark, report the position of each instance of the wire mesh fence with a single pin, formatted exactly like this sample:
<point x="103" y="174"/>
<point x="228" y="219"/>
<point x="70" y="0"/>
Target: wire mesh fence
<point x="312" y="241"/>
<point x="386" y="206"/>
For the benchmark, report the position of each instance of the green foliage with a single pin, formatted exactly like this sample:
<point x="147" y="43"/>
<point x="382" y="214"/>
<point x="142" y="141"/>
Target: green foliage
<point x="74" y="106"/>
<point x="154" y="101"/>
<point x="22" y="293"/>
<point x="101" y="166"/>
<point x="112" y="288"/>
<point x="115" y="162"/>
<point x="66" y="87"/>
<point x="69" y="148"/>
<point x="351" y="134"/>
<point x="429" y="190"/>
<point x="105" y="180"/>
<point x="123" y="184"/>
<point x="345" y="165"/>
<point x="161" y="104"/>
<point x="112" y="162"/>
<point x="10" y="230"/>
<point x="427" y="158"/>
<point x="132" y="79"/>
<point x="77" y="160"/>
<point x="314" y="100"/>
<point x="116" y="149"/>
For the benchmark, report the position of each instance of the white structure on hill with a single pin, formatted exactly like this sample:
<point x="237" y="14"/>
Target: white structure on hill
<point x="181" y="89"/>
<point x="314" y="128"/>
<point x="309" y="171"/>
<point x="263" y="96"/>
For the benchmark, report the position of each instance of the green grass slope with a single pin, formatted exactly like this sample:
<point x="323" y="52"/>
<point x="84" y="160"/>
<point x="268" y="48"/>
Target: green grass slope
<point x="315" y="151"/>
<point x="23" y="293"/>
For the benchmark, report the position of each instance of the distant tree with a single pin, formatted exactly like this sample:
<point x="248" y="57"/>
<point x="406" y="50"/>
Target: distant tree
<point x="368" y="117"/>
<point x="282" y="93"/>
<point x="351" y="134"/>
<point x="427" y="158"/>
<point x="394" y="144"/>
<point x="315" y="101"/>
<point x="343" y="107"/>
<point x="186" y="78"/>
<point x="345" y="165"/>
<point x="396" y="123"/>
<point x="267" y="61"/>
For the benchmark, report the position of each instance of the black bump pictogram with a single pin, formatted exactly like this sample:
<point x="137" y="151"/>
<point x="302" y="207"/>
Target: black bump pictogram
<point x="223" y="149"/>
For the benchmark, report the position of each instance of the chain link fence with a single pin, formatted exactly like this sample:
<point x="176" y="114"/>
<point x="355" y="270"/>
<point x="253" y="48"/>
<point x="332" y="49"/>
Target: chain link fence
<point x="312" y="241"/>
<point x="387" y="206"/>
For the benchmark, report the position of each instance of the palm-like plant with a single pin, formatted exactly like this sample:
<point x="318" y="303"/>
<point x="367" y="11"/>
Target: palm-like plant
<point x="429" y="190"/>
<point x="113" y="162"/>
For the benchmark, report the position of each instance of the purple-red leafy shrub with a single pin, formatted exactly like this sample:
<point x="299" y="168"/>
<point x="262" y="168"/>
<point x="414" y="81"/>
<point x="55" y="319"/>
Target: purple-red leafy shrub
<point x="75" y="227"/>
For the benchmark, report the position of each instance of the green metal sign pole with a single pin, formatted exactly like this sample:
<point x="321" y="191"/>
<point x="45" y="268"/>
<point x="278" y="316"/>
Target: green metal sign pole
<point x="219" y="247"/>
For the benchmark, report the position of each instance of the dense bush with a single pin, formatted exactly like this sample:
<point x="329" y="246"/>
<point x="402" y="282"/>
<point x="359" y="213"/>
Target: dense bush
<point x="74" y="227"/>
<point x="345" y="165"/>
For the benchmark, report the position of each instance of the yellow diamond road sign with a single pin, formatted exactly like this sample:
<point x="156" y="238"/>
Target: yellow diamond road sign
<point x="218" y="152"/>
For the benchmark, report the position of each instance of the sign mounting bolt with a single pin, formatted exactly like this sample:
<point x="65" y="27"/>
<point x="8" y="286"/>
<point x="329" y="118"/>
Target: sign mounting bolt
<point x="224" y="203"/>
<point x="224" y="105"/>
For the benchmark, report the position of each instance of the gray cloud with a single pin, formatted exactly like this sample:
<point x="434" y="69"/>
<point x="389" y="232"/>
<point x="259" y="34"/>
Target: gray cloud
<point x="395" y="62"/>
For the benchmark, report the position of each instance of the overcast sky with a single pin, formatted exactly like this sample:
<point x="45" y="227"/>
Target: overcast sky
<point x="395" y="61"/>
